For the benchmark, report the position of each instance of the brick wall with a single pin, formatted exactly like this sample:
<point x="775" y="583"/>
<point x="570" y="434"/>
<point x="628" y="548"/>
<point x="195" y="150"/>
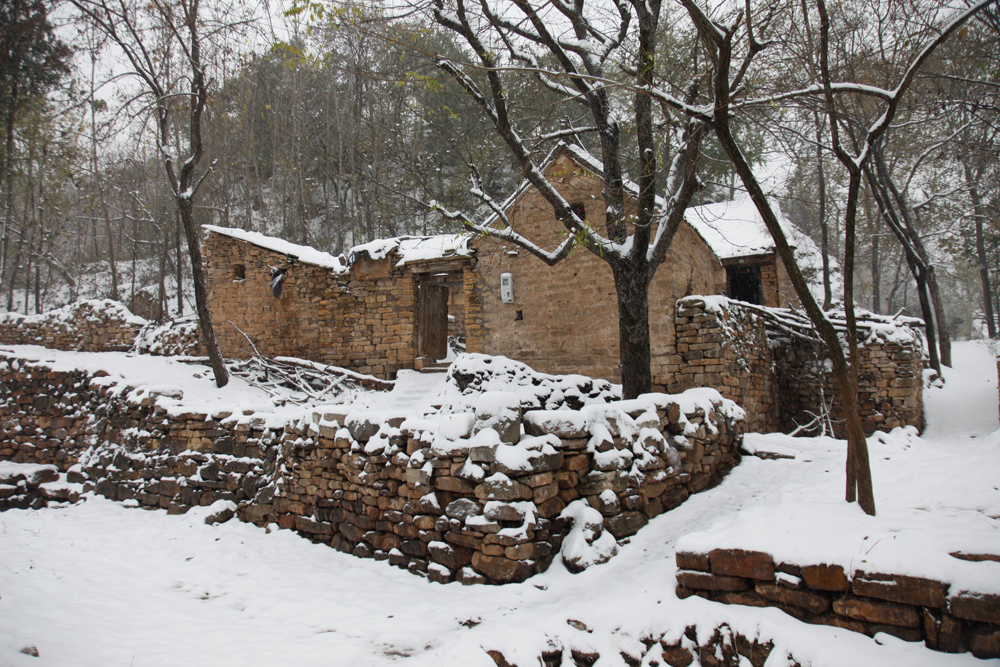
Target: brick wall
<point x="911" y="608"/>
<point x="471" y="507"/>
<point x="364" y="320"/>
<point x="564" y="318"/>
<point x="87" y="326"/>
<point x="771" y="364"/>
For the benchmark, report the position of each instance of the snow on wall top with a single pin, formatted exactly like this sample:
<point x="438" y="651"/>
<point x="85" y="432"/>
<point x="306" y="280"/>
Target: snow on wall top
<point x="415" y="248"/>
<point x="302" y="253"/>
<point x="91" y="308"/>
<point x="408" y="248"/>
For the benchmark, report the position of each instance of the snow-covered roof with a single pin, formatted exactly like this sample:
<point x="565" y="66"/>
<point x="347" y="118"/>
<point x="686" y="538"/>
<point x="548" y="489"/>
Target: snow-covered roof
<point x="408" y="248"/>
<point x="735" y="228"/>
<point x="301" y="253"/>
<point x="411" y="249"/>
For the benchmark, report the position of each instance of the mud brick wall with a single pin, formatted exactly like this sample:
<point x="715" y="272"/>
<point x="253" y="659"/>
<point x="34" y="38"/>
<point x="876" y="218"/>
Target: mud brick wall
<point x="911" y="608"/>
<point x="364" y="320"/>
<point x="727" y="349"/>
<point x="475" y="507"/>
<point x="87" y="326"/>
<point x="782" y="380"/>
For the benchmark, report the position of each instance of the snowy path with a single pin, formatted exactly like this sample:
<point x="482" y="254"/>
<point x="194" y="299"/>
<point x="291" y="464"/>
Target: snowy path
<point x="98" y="584"/>
<point x="969" y="406"/>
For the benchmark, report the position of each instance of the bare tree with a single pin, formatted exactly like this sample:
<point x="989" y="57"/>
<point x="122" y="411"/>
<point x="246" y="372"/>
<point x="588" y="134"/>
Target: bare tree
<point x="171" y="68"/>
<point x="732" y="46"/>
<point x="568" y="47"/>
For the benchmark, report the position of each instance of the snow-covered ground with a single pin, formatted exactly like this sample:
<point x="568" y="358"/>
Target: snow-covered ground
<point x="101" y="584"/>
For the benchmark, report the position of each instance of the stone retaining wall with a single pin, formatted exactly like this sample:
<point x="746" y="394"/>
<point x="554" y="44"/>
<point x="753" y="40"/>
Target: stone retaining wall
<point x="473" y="506"/>
<point x="179" y="337"/>
<point x="451" y="499"/>
<point x="911" y="608"/>
<point x="770" y="363"/>
<point x="125" y="445"/>
<point x="728" y="349"/>
<point x="87" y="326"/>
<point x="32" y="486"/>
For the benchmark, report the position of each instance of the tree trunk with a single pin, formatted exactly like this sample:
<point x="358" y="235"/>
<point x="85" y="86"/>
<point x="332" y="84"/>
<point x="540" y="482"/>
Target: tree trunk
<point x="633" y="332"/>
<point x="186" y="208"/>
<point x="876" y="274"/>
<point x="984" y="271"/>
<point x="940" y="318"/>
<point x="917" y="265"/>
<point x="859" y="481"/>
<point x="8" y="168"/>
<point x="179" y="267"/>
<point x="935" y="310"/>
<point x="824" y="230"/>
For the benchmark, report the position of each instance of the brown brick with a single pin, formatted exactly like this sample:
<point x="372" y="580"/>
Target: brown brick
<point x="742" y="563"/>
<point x="814" y="603"/>
<point x="703" y="581"/>
<point x="976" y="607"/>
<point x="898" y="588"/>
<point x="877" y="612"/>
<point x="949" y="634"/>
<point x="688" y="560"/>
<point x="825" y="577"/>
<point x="984" y="643"/>
<point x="837" y="622"/>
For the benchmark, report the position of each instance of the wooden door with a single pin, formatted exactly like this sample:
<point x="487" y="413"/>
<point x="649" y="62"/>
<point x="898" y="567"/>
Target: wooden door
<point x="433" y="321"/>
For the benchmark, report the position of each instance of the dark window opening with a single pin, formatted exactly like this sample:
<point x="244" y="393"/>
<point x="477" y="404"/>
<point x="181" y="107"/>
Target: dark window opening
<point x="239" y="272"/>
<point x="520" y="316"/>
<point x="744" y="283"/>
<point x="580" y="210"/>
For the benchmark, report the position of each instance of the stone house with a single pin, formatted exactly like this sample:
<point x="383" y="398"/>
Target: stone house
<point x="394" y="304"/>
<point x="563" y="319"/>
<point x="391" y="305"/>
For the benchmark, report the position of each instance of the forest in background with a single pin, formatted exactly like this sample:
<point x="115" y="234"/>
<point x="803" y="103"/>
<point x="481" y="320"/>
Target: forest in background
<point x="333" y="125"/>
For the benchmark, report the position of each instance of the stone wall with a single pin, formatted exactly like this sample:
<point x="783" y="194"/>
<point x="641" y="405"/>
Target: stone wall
<point x="125" y="445"/>
<point x="911" y="608"/>
<point x="460" y="501"/>
<point x="564" y="318"/>
<point x="890" y="384"/>
<point x="87" y="326"/>
<point x="179" y="337"/>
<point x="451" y="499"/>
<point x="770" y="363"/>
<point x="728" y="349"/>
<point x="364" y="320"/>
<point x="24" y="486"/>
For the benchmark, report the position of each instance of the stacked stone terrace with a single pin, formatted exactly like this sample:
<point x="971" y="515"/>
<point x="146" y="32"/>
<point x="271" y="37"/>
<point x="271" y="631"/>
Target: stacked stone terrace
<point x="466" y="499"/>
<point x="462" y="497"/>
<point x="911" y="608"/>
<point x="86" y="326"/>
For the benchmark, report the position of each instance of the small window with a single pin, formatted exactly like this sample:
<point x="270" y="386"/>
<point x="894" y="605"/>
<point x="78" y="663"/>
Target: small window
<point x="744" y="283"/>
<point x="239" y="272"/>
